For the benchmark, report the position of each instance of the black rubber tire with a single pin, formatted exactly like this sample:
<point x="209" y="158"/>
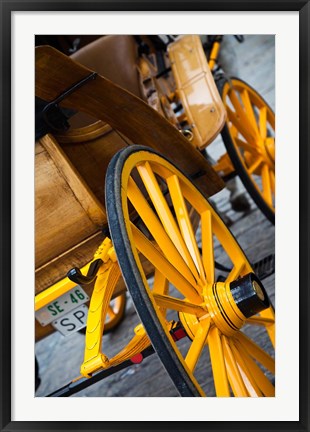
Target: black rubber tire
<point x="237" y="163"/>
<point x="37" y="375"/>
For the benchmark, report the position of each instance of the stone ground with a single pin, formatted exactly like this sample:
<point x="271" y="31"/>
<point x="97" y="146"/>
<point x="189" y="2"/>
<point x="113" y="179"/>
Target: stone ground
<point x="60" y="357"/>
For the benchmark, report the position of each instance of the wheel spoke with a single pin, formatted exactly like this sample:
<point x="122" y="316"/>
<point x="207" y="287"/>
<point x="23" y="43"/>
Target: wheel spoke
<point x="240" y="111"/>
<point x="218" y="363"/>
<point x="250" y="142"/>
<point x="257" y="320"/>
<point x="233" y="130"/>
<point x="272" y="180"/>
<point x="269" y="313"/>
<point x="246" y="146"/>
<point x="147" y="248"/>
<point x="154" y="226"/>
<point x="165" y="214"/>
<point x="247" y="377"/>
<point x="240" y="264"/>
<point x="255" y="165"/>
<point x="198" y="344"/>
<point x="160" y="286"/>
<point x="184" y="222"/>
<point x="266" y="184"/>
<point x="249" y="108"/>
<point x="172" y="303"/>
<point x="207" y="245"/>
<point x="260" y="378"/>
<point x="241" y="128"/>
<point x="256" y="352"/>
<point x="234" y="376"/>
<point x="263" y="122"/>
<point x="235" y="272"/>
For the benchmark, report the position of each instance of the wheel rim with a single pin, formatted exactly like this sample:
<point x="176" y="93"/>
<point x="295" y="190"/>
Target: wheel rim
<point x="251" y="124"/>
<point x="184" y="277"/>
<point x="115" y="312"/>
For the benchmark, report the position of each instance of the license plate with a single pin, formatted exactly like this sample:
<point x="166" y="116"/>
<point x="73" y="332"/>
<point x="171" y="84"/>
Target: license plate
<point x="73" y="321"/>
<point x="60" y="307"/>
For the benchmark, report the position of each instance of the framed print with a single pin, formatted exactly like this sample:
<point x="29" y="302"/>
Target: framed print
<point x="107" y="228"/>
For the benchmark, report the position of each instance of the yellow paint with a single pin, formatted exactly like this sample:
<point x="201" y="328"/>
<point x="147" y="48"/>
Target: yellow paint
<point x="196" y="89"/>
<point x="251" y="123"/>
<point x="204" y="315"/>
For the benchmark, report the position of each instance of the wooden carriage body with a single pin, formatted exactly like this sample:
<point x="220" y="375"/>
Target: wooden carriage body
<point x="70" y="166"/>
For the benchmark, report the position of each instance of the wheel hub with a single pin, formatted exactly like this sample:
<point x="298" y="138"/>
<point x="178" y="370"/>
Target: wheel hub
<point x="229" y="305"/>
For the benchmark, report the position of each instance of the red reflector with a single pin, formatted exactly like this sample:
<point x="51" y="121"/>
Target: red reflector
<point x="137" y="358"/>
<point x="178" y="334"/>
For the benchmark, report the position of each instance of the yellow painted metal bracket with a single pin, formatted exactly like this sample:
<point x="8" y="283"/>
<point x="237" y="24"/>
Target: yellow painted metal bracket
<point x="105" y="252"/>
<point x="94" y="359"/>
<point x="107" y="278"/>
<point x="224" y="165"/>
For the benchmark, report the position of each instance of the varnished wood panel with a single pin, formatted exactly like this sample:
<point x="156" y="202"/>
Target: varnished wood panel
<point x="90" y="203"/>
<point x="91" y="159"/>
<point x="55" y="269"/>
<point x="106" y="101"/>
<point x="60" y="220"/>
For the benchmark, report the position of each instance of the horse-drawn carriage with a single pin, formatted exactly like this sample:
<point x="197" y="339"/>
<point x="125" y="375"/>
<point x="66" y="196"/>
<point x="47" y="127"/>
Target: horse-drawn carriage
<point x="111" y="214"/>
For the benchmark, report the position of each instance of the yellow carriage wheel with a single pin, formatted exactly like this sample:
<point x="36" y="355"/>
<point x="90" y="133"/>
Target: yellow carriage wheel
<point x="115" y="312"/>
<point x="249" y="137"/>
<point x="181" y="292"/>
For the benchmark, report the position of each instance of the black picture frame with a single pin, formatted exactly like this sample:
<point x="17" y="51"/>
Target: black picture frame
<point x="7" y="7"/>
